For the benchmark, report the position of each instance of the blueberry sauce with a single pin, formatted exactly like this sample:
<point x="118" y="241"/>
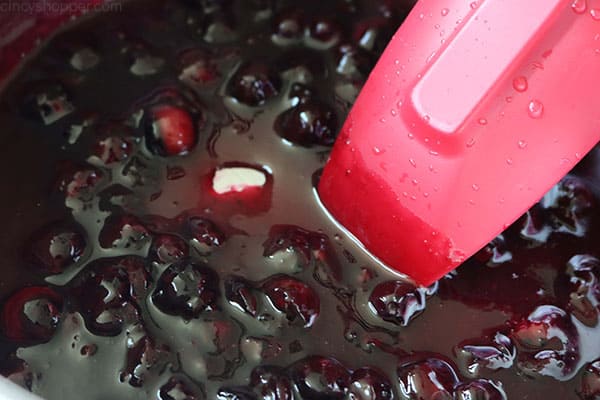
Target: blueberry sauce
<point x="162" y="237"/>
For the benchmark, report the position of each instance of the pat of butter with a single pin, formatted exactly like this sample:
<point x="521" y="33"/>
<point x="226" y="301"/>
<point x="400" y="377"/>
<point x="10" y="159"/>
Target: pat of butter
<point x="237" y="179"/>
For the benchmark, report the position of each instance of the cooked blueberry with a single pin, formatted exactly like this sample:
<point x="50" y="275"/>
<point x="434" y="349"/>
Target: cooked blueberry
<point x="172" y="121"/>
<point x="353" y="62"/>
<point x="289" y="237"/>
<point x="84" y="59"/>
<point x="140" y="358"/>
<point x="548" y="343"/>
<point x="168" y="248"/>
<point x="298" y="301"/>
<point x="32" y="314"/>
<point x="80" y="184"/>
<point x="397" y="301"/>
<point x="46" y="102"/>
<point x="582" y="291"/>
<point x="481" y="389"/>
<point x="321" y="378"/>
<point x="144" y="63"/>
<point x="495" y="253"/>
<point x="534" y="225"/>
<point x="583" y="271"/>
<point x="254" y="83"/>
<point x="289" y="25"/>
<point x="590" y="382"/>
<point x="108" y="292"/>
<point x="271" y="383"/>
<point x="494" y="353"/>
<point x="113" y="150"/>
<point x="536" y="331"/>
<point x="239" y="292"/>
<point x="373" y="34"/>
<point x="369" y="383"/>
<point x="582" y="308"/>
<point x="123" y="231"/>
<point x="226" y="336"/>
<point x="177" y="389"/>
<point x="236" y="393"/>
<point x="55" y="248"/>
<point x="570" y="203"/>
<point x="170" y="130"/>
<point x="324" y="31"/>
<point x="198" y="69"/>
<point x="204" y="232"/>
<point x="221" y="27"/>
<point x="186" y="289"/>
<point x="301" y="93"/>
<point x="137" y="275"/>
<point x="104" y="303"/>
<point x="307" y="124"/>
<point x="584" y="267"/>
<point x="426" y="378"/>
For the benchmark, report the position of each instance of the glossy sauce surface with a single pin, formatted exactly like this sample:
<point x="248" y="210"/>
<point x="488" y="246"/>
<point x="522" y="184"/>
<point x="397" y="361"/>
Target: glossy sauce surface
<point x="163" y="239"/>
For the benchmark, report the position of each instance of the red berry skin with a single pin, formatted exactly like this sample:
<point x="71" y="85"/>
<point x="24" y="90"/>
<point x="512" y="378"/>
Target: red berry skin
<point x="172" y="131"/>
<point x="31" y="314"/>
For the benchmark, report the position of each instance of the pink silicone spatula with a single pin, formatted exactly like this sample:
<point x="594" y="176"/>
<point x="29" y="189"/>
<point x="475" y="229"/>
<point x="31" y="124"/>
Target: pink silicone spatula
<point x="475" y="109"/>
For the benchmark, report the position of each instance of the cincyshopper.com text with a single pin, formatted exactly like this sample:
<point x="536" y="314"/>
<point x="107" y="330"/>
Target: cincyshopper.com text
<point x="54" y="7"/>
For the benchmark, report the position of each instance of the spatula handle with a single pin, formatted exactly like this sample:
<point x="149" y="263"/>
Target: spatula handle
<point x="474" y="110"/>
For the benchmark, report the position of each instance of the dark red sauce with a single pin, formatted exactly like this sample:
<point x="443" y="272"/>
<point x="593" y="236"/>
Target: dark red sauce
<point x="138" y="264"/>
